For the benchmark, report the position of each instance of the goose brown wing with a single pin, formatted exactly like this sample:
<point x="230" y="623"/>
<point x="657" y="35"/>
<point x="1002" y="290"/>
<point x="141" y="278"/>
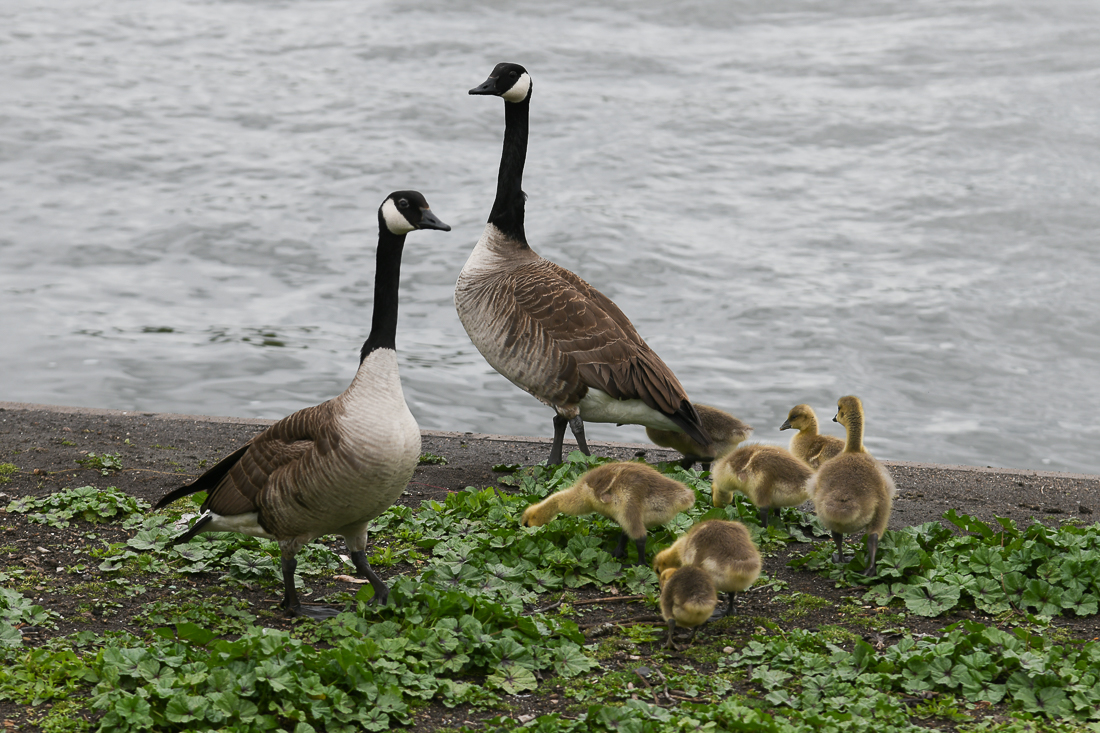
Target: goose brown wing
<point x="593" y="340"/>
<point x="237" y="483"/>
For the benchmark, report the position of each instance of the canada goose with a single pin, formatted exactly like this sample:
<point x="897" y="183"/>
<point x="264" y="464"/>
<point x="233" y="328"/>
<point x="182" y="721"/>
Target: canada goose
<point x="546" y="330"/>
<point x="807" y="443"/>
<point x="853" y="491"/>
<point x="331" y="468"/>
<point x="723" y="549"/>
<point x="688" y="599"/>
<point x="635" y="495"/>
<point x="725" y="432"/>
<point x="770" y="476"/>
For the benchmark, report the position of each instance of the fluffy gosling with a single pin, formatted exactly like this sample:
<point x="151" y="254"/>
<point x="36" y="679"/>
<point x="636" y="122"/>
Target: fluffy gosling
<point x="635" y="495"/>
<point x="725" y="431"/>
<point x="853" y="491"/>
<point x="723" y="549"/>
<point x="770" y="476"/>
<point x="688" y="599"/>
<point x="807" y="443"/>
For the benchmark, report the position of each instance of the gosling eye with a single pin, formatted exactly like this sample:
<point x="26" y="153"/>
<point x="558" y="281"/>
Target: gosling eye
<point x="402" y="203"/>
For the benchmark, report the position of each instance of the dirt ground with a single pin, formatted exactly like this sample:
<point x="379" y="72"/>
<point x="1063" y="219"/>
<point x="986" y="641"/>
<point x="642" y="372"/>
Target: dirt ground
<point x="160" y="452"/>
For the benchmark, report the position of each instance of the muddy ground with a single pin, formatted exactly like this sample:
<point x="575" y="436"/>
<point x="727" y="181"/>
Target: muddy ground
<point x="159" y="452"/>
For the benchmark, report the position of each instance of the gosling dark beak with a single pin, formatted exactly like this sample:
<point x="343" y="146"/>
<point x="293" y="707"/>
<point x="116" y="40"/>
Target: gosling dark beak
<point x="428" y="221"/>
<point x="834" y="418"/>
<point x="786" y="425"/>
<point x="489" y="86"/>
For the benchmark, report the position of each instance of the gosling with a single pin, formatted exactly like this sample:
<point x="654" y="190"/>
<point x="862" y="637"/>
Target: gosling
<point x="770" y="476"/>
<point x="723" y="549"/>
<point x="725" y="431"/>
<point x="853" y="491"/>
<point x="634" y="494"/>
<point x="688" y="598"/>
<point x="807" y="443"/>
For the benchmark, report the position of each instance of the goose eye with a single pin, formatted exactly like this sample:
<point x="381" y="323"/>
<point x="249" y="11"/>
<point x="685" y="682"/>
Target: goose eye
<point x="402" y="203"/>
<point x="513" y="73"/>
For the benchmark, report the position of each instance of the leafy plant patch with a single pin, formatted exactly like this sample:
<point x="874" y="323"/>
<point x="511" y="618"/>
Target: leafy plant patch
<point x="85" y="502"/>
<point x="105" y="463"/>
<point x="1039" y="569"/>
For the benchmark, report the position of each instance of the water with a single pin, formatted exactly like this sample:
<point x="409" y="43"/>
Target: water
<point x="793" y="201"/>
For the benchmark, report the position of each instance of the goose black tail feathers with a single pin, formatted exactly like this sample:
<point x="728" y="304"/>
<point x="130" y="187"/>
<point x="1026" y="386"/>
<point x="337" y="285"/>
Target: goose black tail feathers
<point x="206" y="482"/>
<point x="688" y="420"/>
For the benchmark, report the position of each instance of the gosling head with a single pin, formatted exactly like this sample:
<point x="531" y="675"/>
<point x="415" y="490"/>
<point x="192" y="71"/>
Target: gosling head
<point x="663" y="561"/>
<point x="511" y="82"/>
<point x="536" y="515"/>
<point x="663" y="578"/>
<point x="800" y="417"/>
<point x="406" y="211"/>
<point x="848" y="409"/>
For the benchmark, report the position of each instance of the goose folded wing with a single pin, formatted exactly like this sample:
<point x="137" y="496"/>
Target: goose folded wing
<point x="292" y="441"/>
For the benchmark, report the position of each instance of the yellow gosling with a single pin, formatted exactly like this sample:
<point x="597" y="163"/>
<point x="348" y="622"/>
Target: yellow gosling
<point x="688" y="599"/>
<point x="635" y="495"/>
<point x="807" y="443"/>
<point x="723" y="549"/>
<point x="853" y="491"/>
<point x="725" y="431"/>
<point x="770" y="476"/>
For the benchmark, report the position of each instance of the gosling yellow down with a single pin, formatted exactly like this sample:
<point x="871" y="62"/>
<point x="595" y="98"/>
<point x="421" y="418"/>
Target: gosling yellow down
<point x="770" y="476"/>
<point x="853" y="491"/>
<point x="635" y="495"/>
<point x="721" y="548"/>
<point x="807" y="443"/>
<point x="688" y="599"/>
<point x="725" y="431"/>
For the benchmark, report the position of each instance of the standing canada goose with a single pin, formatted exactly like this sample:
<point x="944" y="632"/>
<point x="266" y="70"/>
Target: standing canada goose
<point x="853" y="491"/>
<point x="725" y="432"/>
<point x="721" y="548"/>
<point x="807" y="443"/>
<point x="331" y="468"/>
<point x="635" y="495"/>
<point x="688" y="599"/>
<point x="770" y="476"/>
<point x="546" y="330"/>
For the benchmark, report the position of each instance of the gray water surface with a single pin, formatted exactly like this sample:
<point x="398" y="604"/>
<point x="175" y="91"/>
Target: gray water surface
<point x="792" y="201"/>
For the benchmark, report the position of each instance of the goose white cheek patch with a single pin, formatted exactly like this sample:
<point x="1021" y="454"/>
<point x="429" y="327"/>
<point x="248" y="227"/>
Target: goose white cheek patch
<point x="395" y="221"/>
<point x="519" y="90"/>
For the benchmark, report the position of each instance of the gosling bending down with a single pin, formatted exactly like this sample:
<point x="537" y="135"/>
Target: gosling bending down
<point x="725" y="431"/>
<point x="721" y="548"/>
<point x="634" y="494"/>
<point x="688" y="599"/>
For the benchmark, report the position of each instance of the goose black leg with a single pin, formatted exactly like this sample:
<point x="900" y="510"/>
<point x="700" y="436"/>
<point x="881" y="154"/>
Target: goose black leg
<point x="577" y="426"/>
<point x="872" y="550"/>
<point x="381" y="591"/>
<point x="838" y="538"/>
<point x="291" y="604"/>
<point x="559" y="438"/>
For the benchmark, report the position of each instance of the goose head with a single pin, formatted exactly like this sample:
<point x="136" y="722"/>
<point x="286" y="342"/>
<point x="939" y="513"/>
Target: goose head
<point x="800" y="417"/>
<point x="509" y="81"/>
<point x="406" y="211"/>
<point x="849" y="409"/>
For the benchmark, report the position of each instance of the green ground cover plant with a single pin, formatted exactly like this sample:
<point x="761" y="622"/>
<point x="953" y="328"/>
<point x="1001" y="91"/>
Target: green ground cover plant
<point x="85" y="502"/>
<point x="1043" y="570"/>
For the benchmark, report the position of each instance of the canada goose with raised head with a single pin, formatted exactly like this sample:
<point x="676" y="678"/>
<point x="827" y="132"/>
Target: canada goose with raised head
<point x="769" y="475"/>
<point x="548" y="331"/>
<point x="807" y="443"/>
<point x="723" y="549"/>
<point x="725" y="432"/>
<point x="688" y="599"/>
<point x="853" y="491"/>
<point x="635" y="495"/>
<point x="331" y="468"/>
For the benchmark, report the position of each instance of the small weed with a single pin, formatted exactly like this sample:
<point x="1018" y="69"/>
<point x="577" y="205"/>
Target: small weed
<point x="801" y="604"/>
<point x="105" y="463"/>
<point x="67" y="442"/>
<point x="6" y="470"/>
<point x="165" y="447"/>
<point x="431" y="459"/>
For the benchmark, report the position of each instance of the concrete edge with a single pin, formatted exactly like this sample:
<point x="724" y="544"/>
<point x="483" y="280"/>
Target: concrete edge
<point x="101" y="412"/>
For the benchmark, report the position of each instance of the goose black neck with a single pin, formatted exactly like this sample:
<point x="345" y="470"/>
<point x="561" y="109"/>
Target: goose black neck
<point x="507" y="213"/>
<point x="387" y="281"/>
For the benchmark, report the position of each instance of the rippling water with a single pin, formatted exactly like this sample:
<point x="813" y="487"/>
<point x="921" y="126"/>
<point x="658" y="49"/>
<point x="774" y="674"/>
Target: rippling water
<point x="793" y="201"/>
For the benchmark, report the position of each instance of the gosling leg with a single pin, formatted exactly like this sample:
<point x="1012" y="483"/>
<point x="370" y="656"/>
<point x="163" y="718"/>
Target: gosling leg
<point x="872" y="550"/>
<point x="720" y="613"/>
<point x="838" y="538"/>
<point x="669" y="643"/>
<point x="620" y="549"/>
<point x="640" y="544"/>
<point x="764" y="512"/>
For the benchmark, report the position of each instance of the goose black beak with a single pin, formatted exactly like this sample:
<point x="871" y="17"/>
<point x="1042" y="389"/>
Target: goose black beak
<point x="489" y="86"/>
<point x="429" y="221"/>
<point x="786" y="425"/>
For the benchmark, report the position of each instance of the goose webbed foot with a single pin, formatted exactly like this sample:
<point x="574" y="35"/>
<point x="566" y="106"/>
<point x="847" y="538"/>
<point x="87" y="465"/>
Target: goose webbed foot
<point x="381" y="590"/>
<point x="314" y="612"/>
<point x="291" y="605"/>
